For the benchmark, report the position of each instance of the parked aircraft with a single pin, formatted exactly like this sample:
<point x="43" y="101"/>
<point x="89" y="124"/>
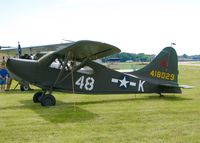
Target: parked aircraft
<point x="78" y="73"/>
<point x="32" y="52"/>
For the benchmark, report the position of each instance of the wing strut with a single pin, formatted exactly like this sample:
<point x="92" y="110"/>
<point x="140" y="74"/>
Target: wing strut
<point x="73" y="76"/>
<point x="63" y="68"/>
<point x="74" y="69"/>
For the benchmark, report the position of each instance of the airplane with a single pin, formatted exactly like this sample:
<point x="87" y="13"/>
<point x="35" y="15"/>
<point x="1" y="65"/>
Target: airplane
<point x="26" y="52"/>
<point x="78" y="73"/>
<point x="32" y="52"/>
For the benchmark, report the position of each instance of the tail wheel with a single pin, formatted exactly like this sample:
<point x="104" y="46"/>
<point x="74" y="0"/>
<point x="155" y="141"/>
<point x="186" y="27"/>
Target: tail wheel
<point x="48" y="100"/>
<point x="37" y="97"/>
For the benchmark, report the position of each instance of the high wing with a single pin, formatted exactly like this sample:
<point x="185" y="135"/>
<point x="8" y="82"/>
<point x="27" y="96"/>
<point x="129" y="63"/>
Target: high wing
<point x="75" y="50"/>
<point x="80" y="51"/>
<point x="87" y="49"/>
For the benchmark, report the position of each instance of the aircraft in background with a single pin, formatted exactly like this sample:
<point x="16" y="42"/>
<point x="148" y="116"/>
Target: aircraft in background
<point x="78" y="73"/>
<point x="32" y="52"/>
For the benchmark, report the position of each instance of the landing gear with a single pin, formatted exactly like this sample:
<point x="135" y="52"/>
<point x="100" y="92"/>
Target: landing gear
<point x="37" y="97"/>
<point x="44" y="99"/>
<point x="161" y="95"/>
<point x="48" y="100"/>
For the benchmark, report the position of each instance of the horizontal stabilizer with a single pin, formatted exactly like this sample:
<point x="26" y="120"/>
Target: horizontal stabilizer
<point x="178" y="86"/>
<point x="186" y="86"/>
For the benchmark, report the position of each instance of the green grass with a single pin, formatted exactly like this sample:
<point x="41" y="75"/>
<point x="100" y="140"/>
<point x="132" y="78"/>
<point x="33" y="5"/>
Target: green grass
<point x="104" y="118"/>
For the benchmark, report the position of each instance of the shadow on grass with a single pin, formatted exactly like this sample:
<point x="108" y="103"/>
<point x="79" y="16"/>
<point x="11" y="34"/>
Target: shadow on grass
<point x="136" y="97"/>
<point x="143" y="98"/>
<point x="61" y="113"/>
<point x="167" y="98"/>
<point x="18" y="91"/>
<point x="67" y="112"/>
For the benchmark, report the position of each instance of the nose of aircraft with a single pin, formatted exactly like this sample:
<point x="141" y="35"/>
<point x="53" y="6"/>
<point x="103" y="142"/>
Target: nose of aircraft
<point x="13" y="65"/>
<point x="17" y="68"/>
<point x="8" y="64"/>
<point x="21" y="67"/>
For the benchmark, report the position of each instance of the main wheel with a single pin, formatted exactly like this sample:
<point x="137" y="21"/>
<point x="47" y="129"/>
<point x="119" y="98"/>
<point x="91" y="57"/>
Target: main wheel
<point x="37" y="97"/>
<point x="48" y="100"/>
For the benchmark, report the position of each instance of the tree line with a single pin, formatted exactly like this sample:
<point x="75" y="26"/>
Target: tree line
<point x="185" y="57"/>
<point x="141" y="57"/>
<point x="125" y="57"/>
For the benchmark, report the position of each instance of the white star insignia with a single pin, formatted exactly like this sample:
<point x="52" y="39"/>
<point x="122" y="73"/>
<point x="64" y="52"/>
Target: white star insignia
<point x="123" y="82"/>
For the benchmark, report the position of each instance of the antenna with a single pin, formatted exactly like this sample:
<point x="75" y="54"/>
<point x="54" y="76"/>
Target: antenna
<point x="68" y="40"/>
<point x="172" y="44"/>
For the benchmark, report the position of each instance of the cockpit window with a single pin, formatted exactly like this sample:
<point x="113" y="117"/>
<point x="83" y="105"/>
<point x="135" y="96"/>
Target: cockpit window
<point x="55" y="64"/>
<point x="59" y="63"/>
<point x="86" y="70"/>
<point x="70" y="65"/>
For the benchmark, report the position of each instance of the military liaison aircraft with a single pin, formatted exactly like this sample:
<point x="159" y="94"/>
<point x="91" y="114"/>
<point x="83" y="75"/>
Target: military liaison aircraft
<point x="76" y="72"/>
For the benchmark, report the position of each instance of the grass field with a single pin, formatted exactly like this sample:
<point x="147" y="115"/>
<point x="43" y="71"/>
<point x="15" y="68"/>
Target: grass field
<point x="105" y="118"/>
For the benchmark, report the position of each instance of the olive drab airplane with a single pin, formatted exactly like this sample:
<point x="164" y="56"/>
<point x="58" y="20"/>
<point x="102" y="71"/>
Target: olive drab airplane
<point x="71" y="68"/>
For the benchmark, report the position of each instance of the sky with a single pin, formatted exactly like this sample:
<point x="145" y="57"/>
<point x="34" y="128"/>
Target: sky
<point x="135" y="26"/>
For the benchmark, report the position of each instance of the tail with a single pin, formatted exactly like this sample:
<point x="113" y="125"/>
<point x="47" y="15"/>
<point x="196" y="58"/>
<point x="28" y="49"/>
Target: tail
<point x="163" y="70"/>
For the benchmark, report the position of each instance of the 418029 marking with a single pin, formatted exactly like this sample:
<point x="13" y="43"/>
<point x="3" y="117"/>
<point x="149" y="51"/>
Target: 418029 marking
<point x="162" y="75"/>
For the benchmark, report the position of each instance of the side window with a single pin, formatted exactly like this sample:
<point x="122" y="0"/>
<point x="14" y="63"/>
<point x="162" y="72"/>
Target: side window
<point x="86" y="70"/>
<point x="55" y="64"/>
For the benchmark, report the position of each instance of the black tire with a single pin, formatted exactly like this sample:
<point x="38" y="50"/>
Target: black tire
<point x="24" y="87"/>
<point x="48" y="100"/>
<point x="37" y="96"/>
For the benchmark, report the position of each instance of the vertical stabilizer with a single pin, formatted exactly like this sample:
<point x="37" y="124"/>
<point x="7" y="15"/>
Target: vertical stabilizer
<point x="163" y="68"/>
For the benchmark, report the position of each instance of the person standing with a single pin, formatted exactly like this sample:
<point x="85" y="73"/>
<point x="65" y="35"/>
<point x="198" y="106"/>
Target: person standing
<point x="9" y="82"/>
<point x="3" y="76"/>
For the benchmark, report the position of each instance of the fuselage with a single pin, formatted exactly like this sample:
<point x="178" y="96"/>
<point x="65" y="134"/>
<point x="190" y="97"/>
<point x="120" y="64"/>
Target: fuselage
<point x="98" y="79"/>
